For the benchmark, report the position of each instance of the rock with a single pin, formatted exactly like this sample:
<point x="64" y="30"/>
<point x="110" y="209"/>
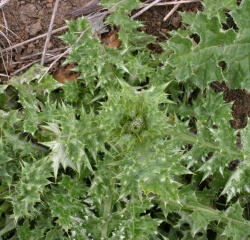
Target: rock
<point x="31" y="45"/>
<point x="49" y="5"/>
<point x="50" y="45"/>
<point x="165" y="25"/>
<point x="176" y="21"/>
<point x="27" y="12"/>
<point x="163" y="30"/>
<point x="158" y="24"/>
<point x="34" y="28"/>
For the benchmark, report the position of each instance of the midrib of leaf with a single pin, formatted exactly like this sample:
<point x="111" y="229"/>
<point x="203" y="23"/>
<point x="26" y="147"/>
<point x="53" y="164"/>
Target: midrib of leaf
<point x="214" y="212"/>
<point x="198" y="51"/>
<point x="190" y="207"/>
<point x="9" y="225"/>
<point x="193" y="139"/>
<point x="220" y="52"/>
<point x="106" y="213"/>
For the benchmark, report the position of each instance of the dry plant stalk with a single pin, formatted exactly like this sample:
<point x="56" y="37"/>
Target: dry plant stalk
<point x="3" y="2"/>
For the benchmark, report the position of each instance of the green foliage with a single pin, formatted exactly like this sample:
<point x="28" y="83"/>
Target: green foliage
<point x="31" y="185"/>
<point x="199" y="63"/>
<point x="126" y="151"/>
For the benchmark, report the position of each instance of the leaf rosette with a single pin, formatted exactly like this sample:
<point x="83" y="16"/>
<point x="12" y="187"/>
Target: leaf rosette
<point x="131" y="117"/>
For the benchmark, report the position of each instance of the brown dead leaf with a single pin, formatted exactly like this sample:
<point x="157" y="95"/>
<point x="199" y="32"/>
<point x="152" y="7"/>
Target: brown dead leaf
<point x="111" y="39"/>
<point x="66" y="74"/>
<point x="10" y="68"/>
<point x="114" y="41"/>
<point x="50" y="1"/>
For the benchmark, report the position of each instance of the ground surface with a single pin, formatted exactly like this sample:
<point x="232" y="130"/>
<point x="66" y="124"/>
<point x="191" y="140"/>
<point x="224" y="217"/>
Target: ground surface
<point x="30" y="18"/>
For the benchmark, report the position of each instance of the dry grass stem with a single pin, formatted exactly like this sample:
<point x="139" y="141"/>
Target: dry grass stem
<point x="2" y="57"/>
<point x="171" y="12"/>
<point x="35" y="38"/>
<point x="48" y="53"/>
<point x="144" y="9"/>
<point x="49" y="31"/>
<point x="3" y="75"/>
<point x="174" y="2"/>
<point x="24" y="67"/>
<point x="47" y="59"/>
<point x="5" y="59"/>
<point x="3" y="2"/>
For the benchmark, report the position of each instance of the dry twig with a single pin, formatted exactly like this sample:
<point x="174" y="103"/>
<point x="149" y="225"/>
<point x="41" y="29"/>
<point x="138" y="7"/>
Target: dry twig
<point x="49" y="59"/>
<point x="173" y="3"/>
<point x="6" y="38"/>
<point x="147" y="5"/>
<point x="4" y="64"/>
<point x="3" y="2"/>
<point x="24" y="67"/>
<point x="3" y="75"/>
<point x="35" y="38"/>
<point x="171" y="12"/>
<point x="145" y="9"/>
<point x="49" y="31"/>
<point x="50" y="52"/>
<point x="87" y="9"/>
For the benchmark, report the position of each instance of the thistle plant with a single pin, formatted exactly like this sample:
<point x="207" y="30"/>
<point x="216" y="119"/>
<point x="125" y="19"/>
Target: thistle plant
<point x="124" y="151"/>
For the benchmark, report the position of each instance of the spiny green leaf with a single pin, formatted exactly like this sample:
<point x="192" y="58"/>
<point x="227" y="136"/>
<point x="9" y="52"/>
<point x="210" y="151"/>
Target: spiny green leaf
<point x="55" y="234"/>
<point x="71" y="91"/>
<point x="26" y="232"/>
<point x="2" y="88"/>
<point x="7" y="165"/>
<point x="237" y="56"/>
<point x="72" y="139"/>
<point x="245" y="135"/>
<point x="129" y="105"/>
<point x="199" y="64"/>
<point x="8" y="119"/>
<point x="212" y="109"/>
<point x="46" y="85"/>
<point x="30" y="187"/>
<point x="64" y="207"/>
<point x="75" y="187"/>
<point x="137" y="224"/>
<point x="240" y="16"/>
<point x="239" y="181"/>
<point x="58" y="156"/>
<point x="217" y="8"/>
<point x="141" y="166"/>
<point x="201" y="220"/>
<point x="238" y="228"/>
<point x="31" y="93"/>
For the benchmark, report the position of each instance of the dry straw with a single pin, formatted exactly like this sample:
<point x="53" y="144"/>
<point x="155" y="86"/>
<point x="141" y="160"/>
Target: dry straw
<point x="3" y="2"/>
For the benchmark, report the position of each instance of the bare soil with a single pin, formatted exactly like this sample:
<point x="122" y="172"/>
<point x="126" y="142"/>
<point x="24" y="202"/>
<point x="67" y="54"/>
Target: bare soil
<point x="30" y="18"/>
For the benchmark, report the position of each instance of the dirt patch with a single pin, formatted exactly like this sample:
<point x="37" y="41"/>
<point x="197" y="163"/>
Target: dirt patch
<point x="241" y="105"/>
<point x="153" y="20"/>
<point x="27" y="19"/>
